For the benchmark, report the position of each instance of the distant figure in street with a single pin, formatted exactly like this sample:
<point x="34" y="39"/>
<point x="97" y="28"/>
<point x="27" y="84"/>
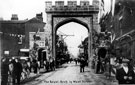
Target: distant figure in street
<point x="76" y="61"/>
<point x="82" y="64"/>
<point x="18" y="71"/>
<point x="4" y="71"/>
<point x="125" y="74"/>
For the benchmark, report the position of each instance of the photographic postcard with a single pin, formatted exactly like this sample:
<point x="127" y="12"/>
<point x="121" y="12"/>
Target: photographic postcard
<point x="67" y="42"/>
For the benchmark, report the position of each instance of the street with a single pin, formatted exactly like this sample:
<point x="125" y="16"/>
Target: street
<point x="69" y="74"/>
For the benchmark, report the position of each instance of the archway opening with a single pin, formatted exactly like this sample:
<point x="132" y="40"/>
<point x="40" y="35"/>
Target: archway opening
<point x="69" y="37"/>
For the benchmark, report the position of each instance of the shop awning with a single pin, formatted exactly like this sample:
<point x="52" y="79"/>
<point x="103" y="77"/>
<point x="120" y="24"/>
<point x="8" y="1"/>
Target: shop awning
<point x="44" y="50"/>
<point x="24" y="50"/>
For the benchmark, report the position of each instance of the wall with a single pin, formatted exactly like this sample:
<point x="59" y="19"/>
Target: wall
<point x="10" y="37"/>
<point x="14" y="30"/>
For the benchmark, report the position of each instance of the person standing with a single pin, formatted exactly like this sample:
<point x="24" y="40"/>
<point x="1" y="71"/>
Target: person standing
<point x="52" y="67"/>
<point x="75" y="61"/>
<point x="4" y="71"/>
<point x="12" y="69"/>
<point x="35" y="66"/>
<point x="124" y="75"/>
<point x="82" y="64"/>
<point x="18" y="71"/>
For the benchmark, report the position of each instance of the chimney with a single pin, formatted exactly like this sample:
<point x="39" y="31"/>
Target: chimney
<point x="14" y="17"/>
<point x="39" y="16"/>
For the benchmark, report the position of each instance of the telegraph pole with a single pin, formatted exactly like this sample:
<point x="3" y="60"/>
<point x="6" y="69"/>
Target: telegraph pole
<point x="63" y="34"/>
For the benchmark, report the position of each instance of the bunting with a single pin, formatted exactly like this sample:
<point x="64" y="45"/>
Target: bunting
<point x="13" y="35"/>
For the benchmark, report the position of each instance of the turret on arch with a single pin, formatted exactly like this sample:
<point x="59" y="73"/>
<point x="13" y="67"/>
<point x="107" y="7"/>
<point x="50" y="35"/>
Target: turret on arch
<point x="60" y="14"/>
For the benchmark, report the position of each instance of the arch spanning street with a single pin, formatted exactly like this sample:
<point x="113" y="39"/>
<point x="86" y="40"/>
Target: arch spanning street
<point x="34" y="52"/>
<point x="59" y="14"/>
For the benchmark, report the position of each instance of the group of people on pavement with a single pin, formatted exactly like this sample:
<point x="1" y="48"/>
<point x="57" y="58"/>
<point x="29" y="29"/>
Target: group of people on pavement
<point x="10" y="71"/>
<point x="13" y="70"/>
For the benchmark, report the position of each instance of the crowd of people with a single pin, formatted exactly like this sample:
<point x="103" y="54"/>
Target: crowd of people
<point x="13" y="70"/>
<point x="120" y="69"/>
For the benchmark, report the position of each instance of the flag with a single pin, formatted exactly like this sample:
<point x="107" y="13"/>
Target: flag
<point x="36" y="36"/>
<point x="102" y="4"/>
<point x="102" y="1"/>
<point x="113" y="7"/>
<point x="113" y="35"/>
<point x="38" y="31"/>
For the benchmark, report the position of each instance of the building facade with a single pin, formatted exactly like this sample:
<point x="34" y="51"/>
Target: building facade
<point x="121" y="25"/>
<point x="15" y="34"/>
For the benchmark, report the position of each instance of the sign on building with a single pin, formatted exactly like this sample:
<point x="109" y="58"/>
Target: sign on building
<point x="38" y="38"/>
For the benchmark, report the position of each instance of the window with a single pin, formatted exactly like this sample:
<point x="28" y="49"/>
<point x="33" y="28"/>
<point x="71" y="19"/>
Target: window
<point x="42" y="44"/>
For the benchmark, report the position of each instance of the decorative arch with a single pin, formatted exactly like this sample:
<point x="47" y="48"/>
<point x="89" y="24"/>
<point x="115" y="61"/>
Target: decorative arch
<point x="59" y="14"/>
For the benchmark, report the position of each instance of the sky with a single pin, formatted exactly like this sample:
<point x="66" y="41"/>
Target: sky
<point x="80" y="33"/>
<point x="27" y="9"/>
<point x="24" y="8"/>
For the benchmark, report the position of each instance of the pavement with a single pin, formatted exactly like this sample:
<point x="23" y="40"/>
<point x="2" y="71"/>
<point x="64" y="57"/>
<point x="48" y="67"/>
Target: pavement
<point x="33" y="76"/>
<point x="68" y="74"/>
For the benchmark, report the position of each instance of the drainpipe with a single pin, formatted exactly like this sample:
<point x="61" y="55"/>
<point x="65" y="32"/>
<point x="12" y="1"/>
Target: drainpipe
<point x="0" y="52"/>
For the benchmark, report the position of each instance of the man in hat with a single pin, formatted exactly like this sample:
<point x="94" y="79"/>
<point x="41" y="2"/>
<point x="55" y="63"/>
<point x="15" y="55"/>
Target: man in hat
<point x="18" y="71"/>
<point x="4" y="72"/>
<point x="124" y="75"/>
